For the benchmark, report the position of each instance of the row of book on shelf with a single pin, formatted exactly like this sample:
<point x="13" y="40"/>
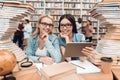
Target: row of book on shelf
<point x="60" y="5"/>
<point x="66" y="0"/>
<point x="56" y="18"/>
<point x="59" y="12"/>
<point x="101" y="31"/>
<point x="35" y="18"/>
<point x="85" y="18"/>
<point x="48" y="11"/>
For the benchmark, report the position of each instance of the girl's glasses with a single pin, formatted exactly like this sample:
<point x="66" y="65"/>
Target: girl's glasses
<point x="44" y="24"/>
<point x="68" y="25"/>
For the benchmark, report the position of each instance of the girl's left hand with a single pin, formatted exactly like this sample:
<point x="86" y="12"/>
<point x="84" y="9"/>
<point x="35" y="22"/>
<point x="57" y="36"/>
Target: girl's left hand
<point x="88" y="51"/>
<point x="65" y="37"/>
<point x="46" y="60"/>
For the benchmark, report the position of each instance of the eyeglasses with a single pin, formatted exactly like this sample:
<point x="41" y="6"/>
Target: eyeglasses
<point x="68" y="25"/>
<point x="24" y="63"/>
<point x="44" y="24"/>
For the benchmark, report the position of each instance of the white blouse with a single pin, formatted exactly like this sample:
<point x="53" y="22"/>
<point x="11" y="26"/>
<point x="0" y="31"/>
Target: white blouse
<point x="40" y="52"/>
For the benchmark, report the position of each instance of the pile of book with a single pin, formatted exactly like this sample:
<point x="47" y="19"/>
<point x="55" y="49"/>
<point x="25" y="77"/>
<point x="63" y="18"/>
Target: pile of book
<point x="9" y="45"/>
<point x="11" y="12"/>
<point x="60" y="71"/>
<point x="108" y="47"/>
<point x="96" y="59"/>
<point x="107" y="12"/>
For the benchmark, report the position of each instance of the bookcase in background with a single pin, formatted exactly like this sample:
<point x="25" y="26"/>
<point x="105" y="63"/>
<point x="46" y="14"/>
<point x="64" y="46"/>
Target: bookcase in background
<point x="78" y="8"/>
<point x="98" y="31"/>
<point x="54" y="8"/>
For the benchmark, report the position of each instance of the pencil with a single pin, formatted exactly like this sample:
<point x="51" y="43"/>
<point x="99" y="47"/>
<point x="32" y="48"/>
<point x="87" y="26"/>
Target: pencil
<point x="78" y="66"/>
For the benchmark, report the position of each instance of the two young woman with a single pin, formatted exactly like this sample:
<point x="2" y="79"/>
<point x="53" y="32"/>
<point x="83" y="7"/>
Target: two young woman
<point x="45" y="47"/>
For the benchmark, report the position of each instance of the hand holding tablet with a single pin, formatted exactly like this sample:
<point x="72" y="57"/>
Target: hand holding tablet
<point x="74" y="49"/>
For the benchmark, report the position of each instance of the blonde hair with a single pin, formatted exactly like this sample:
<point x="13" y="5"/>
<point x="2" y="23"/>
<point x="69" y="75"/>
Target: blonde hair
<point x="39" y="21"/>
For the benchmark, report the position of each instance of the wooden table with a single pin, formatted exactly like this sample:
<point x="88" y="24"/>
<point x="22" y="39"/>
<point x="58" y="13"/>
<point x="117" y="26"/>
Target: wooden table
<point x="97" y="76"/>
<point x="116" y="72"/>
<point x="32" y="74"/>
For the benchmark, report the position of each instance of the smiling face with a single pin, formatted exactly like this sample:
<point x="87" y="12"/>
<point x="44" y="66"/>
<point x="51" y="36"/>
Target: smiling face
<point x="46" y="25"/>
<point x="66" y="27"/>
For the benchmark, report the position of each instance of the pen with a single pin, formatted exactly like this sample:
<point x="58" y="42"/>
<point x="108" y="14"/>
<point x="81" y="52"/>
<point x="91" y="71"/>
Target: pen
<point x="42" y="64"/>
<point x="78" y="66"/>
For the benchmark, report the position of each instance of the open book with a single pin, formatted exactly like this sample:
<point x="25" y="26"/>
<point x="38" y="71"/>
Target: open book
<point x="85" y="67"/>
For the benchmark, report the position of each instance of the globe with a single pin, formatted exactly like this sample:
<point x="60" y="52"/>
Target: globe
<point x="7" y="62"/>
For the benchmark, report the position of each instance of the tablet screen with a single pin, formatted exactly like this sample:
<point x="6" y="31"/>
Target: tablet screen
<point x="74" y="49"/>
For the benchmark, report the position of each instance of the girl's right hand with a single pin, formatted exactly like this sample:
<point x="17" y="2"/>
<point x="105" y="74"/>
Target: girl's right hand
<point x="46" y="60"/>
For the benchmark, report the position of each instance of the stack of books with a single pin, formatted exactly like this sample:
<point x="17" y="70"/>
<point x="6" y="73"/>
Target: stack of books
<point x="107" y="12"/>
<point x="11" y="12"/>
<point x="96" y="59"/>
<point x="9" y="45"/>
<point x="60" y="71"/>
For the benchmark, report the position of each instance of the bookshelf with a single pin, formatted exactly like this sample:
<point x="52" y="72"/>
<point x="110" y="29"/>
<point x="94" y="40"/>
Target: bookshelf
<point x="78" y="8"/>
<point x="99" y="31"/>
<point x="52" y="7"/>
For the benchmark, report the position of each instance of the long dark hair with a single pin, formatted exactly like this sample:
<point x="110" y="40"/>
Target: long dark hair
<point x="71" y="19"/>
<point x="90" y="22"/>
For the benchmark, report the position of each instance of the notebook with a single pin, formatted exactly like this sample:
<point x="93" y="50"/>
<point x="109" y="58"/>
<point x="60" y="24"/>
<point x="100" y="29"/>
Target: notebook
<point x="85" y="67"/>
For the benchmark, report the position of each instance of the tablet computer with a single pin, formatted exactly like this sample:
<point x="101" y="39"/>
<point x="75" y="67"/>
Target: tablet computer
<point x="74" y="49"/>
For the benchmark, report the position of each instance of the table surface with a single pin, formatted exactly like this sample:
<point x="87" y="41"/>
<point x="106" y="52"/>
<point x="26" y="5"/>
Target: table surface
<point x="116" y="72"/>
<point x="32" y="74"/>
<point x="97" y="76"/>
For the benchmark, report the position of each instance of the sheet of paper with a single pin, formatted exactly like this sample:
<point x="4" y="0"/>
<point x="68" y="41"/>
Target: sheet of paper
<point x="40" y="65"/>
<point x="85" y="67"/>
